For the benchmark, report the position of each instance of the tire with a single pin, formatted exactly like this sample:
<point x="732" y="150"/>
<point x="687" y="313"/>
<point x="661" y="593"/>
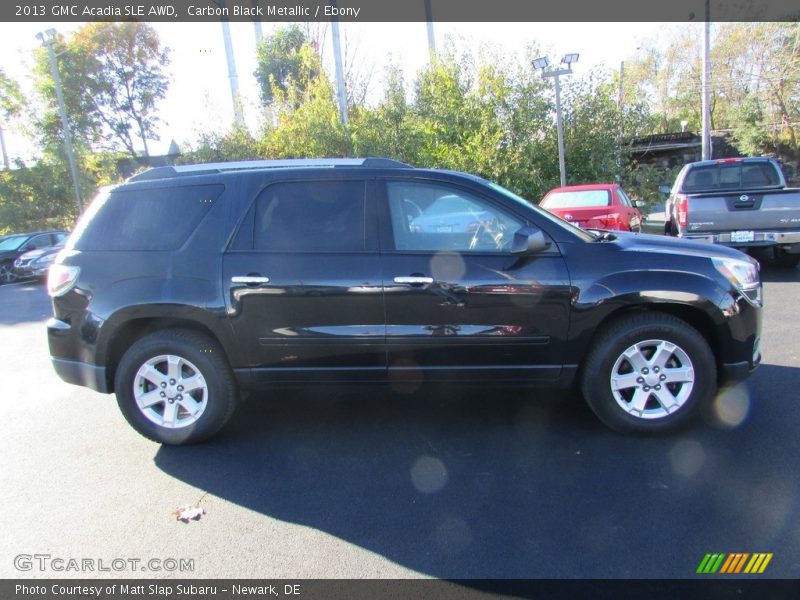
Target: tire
<point x="638" y="353"/>
<point x="159" y="369"/>
<point x="784" y="260"/>
<point x="7" y="274"/>
<point x="672" y="229"/>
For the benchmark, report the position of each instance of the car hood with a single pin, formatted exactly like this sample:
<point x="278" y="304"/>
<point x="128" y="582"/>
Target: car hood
<point x="31" y="254"/>
<point x="644" y="242"/>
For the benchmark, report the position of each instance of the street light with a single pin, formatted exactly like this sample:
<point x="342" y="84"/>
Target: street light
<point x="47" y="39"/>
<point x="542" y="64"/>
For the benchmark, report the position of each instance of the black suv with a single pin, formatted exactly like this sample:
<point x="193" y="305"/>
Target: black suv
<point x="185" y="285"/>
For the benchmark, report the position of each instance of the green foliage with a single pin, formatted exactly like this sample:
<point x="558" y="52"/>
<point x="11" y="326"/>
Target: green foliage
<point x="42" y="197"/>
<point x="750" y="133"/>
<point x="112" y="78"/>
<point x="11" y="100"/>
<point x="641" y="182"/>
<point x="755" y="83"/>
<point x="286" y="64"/>
<point x="237" y="144"/>
<point x="312" y="129"/>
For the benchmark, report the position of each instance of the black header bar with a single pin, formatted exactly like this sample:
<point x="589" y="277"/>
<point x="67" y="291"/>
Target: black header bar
<point x="365" y="11"/>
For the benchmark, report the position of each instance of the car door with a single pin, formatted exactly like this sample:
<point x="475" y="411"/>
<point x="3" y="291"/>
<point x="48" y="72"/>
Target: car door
<point x="303" y="283"/>
<point x="459" y="304"/>
<point x="634" y="216"/>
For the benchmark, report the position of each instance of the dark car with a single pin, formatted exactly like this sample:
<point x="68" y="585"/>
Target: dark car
<point x="15" y="245"/>
<point x="35" y="263"/>
<point x="185" y="285"/>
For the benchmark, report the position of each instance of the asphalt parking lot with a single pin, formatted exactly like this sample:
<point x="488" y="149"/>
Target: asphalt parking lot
<point x="439" y="482"/>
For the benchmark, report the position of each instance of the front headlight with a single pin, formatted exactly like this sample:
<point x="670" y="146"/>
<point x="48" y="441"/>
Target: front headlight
<point x="743" y="274"/>
<point x="44" y="261"/>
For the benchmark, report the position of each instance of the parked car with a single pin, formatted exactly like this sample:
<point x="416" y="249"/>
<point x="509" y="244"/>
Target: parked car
<point x="34" y="263"/>
<point x="594" y="206"/>
<point x="187" y="284"/>
<point x="16" y="245"/>
<point x="739" y="202"/>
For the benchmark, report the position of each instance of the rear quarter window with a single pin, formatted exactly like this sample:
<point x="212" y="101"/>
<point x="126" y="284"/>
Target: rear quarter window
<point x="159" y="219"/>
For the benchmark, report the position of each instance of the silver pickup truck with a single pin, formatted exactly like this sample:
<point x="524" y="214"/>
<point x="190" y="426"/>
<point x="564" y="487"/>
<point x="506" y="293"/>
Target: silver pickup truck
<point x="739" y="202"/>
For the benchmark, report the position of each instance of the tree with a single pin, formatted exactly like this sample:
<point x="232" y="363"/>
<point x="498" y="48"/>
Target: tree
<point x="112" y="76"/>
<point x="127" y="78"/>
<point x="755" y="83"/>
<point x="10" y="97"/>
<point x="286" y="64"/>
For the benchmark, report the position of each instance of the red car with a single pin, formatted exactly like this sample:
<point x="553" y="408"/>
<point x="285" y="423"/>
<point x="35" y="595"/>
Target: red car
<point x="594" y="206"/>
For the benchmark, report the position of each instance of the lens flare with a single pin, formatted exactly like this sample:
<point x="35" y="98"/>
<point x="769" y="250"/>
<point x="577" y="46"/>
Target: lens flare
<point x="429" y="475"/>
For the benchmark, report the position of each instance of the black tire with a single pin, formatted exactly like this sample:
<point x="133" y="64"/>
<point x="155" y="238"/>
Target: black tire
<point x="7" y="274"/>
<point x="672" y="229"/>
<point x="664" y="408"/>
<point x="215" y="400"/>
<point x="784" y="260"/>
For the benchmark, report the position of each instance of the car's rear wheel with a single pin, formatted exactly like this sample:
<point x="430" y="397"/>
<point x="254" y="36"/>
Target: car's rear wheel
<point x="648" y="372"/>
<point x="175" y="387"/>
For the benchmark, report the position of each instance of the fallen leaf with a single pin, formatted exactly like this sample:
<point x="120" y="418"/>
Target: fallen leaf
<point x="189" y="513"/>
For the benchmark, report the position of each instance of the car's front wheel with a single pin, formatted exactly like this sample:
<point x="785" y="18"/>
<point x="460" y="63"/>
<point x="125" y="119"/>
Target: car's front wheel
<point x="648" y="372"/>
<point x="7" y="274"/>
<point x="175" y="387"/>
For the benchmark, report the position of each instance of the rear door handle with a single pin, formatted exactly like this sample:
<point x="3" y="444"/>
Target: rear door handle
<point x="414" y="280"/>
<point x="249" y="279"/>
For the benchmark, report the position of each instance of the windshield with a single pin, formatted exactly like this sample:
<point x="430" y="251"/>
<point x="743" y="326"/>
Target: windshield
<point x="581" y="233"/>
<point x="576" y="199"/>
<point x="13" y="243"/>
<point x="449" y="204"/>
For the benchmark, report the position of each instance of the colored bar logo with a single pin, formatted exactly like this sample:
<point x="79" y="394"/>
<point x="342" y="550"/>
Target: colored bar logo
<point x="734" y="563"/>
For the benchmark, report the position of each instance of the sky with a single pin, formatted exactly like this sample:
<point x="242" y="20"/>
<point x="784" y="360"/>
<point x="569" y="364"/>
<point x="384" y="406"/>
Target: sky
<point x="199" y="98"/>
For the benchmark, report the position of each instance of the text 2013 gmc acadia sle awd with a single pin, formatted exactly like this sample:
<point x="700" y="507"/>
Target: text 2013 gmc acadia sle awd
<point x="185" y="285"/>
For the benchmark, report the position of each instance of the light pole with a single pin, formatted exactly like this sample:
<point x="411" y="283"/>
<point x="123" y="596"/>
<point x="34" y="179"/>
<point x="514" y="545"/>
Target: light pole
<point x="47" y="39"/>
<point x="555" y="73"/>
<point x="706" y="101"/>
<point x="341" y="90"/>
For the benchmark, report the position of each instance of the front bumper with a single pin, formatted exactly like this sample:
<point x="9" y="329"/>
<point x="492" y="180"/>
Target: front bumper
<point x="735" y="372"/>
<point x="25" y="272"/>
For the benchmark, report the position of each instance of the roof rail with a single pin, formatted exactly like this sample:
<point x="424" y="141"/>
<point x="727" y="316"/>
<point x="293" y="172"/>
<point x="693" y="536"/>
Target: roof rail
<point x="220" y="167"/>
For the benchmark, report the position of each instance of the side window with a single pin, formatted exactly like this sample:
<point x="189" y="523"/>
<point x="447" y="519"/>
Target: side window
<point x="311" y="216"/>
<point x="39" y="241"/>
<point x="433" y="218"/>
<point x="60" y="237"/>
<point x="150" y="219"/>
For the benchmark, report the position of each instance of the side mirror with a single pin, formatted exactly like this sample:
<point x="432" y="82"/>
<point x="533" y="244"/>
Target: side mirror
<point x="529" y="240"/>
<point x="639" y="204"/>
<point x="665" y="189"/>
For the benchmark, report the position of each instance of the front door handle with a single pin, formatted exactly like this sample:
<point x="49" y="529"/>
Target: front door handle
<point x="414" y="280"/>
<point x="249" y="279"/>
